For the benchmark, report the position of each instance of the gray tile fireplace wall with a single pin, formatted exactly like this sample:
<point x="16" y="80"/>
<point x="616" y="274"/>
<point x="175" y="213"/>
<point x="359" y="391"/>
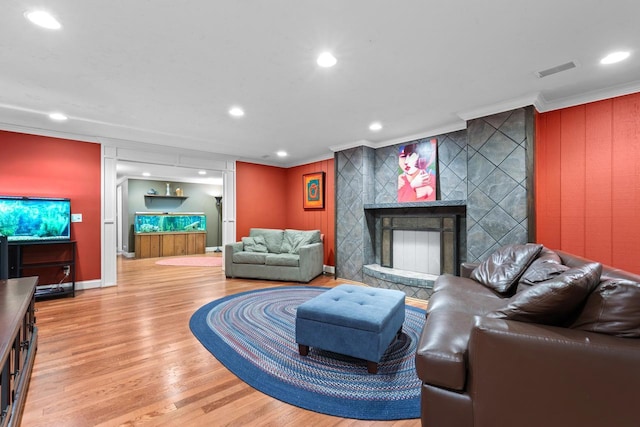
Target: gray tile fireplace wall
<point x="484" y="165"/>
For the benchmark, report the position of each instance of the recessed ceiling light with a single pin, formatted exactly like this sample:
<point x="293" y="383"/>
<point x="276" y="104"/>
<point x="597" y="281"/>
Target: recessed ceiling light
<point x="236" y="112"/>
<point x="326" y="59"/>
<point x="43" y="19"/>
<point x="282" y="153"/>
<point x="146" y="174"/>
<point x="59" y="117"/>
<point x="614" y="57"/>
<point x="202" y="172"/>
<point x="375" y="126"/>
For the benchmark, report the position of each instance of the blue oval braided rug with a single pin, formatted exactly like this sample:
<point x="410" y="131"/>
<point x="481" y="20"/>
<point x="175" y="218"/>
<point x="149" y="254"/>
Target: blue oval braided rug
<point x="253" y="335"/>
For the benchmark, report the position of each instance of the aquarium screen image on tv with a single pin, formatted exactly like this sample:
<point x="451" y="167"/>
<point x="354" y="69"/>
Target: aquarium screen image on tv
<point x="35" y="218"/>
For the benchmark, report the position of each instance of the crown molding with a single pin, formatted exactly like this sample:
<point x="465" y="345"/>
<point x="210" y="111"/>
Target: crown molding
<point x="48" y="132"/>
<point x="587" y="97"/>
<point x="500" y="107"/>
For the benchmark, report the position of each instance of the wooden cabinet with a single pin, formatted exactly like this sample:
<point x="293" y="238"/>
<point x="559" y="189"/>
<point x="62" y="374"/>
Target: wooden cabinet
<point x="18" y="344"/>
<point x="151" y="245"/>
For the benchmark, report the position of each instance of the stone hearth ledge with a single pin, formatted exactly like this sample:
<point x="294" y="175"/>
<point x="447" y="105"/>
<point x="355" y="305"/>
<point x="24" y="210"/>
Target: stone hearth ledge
<point x="403" y="277"/>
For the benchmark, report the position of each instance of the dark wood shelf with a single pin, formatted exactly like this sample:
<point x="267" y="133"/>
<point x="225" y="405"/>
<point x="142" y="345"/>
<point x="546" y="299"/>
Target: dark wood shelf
<point x="158" y="196"/>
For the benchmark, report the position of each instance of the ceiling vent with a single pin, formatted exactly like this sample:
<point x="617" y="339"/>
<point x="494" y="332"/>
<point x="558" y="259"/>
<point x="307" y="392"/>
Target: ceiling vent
<point x="556" y="69"/>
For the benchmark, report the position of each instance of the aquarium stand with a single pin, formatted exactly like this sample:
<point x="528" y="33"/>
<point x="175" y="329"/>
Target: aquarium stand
<point x="152" y="245"/>
<point x="53" y="261"/>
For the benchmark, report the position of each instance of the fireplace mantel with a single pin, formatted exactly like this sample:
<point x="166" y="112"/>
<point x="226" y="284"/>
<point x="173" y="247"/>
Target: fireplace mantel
<point x="412" y="205"/>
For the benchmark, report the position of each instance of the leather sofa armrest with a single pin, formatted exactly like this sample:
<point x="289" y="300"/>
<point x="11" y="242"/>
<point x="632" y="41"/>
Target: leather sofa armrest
<point x="466" y="268"/>
<point x="441" y="356"/>
<point x="528" y="374"/>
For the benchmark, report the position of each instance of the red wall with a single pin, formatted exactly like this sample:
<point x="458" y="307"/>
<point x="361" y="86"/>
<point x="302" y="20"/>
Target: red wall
<point x="260" y="197"/>
<point x="321" y="219"/>
<point x="33" y="165"/>
<point x="271" y="197"/>
<point x="588" y="181"/>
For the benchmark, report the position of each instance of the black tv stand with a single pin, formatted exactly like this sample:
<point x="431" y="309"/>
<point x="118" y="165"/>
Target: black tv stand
<point x="54" y="261"/>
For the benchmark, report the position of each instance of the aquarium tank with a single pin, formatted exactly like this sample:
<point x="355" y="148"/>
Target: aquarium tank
<point x="163" y="222"/>
<point x="27" y="219"/>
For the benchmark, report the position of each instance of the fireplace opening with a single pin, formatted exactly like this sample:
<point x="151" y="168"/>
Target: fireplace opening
<point x="425" y="243"/>
<point x="417" y="251"/>
<point x="411" y="244"/>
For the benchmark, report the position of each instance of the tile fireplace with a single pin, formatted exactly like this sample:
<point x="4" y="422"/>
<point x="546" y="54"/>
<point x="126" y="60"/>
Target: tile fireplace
<point x="485" y="181"/>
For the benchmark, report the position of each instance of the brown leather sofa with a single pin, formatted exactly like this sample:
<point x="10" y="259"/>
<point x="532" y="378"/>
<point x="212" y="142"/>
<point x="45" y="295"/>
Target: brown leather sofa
<point x="550" y="342"/>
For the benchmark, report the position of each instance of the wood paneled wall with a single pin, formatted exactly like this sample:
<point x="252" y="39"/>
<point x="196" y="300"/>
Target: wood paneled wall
<point x="588" y="180"/>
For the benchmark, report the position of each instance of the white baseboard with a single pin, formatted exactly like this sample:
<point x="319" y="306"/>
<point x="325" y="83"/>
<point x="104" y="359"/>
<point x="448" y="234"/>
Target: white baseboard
<point x="329" y="269"/>
<point x="128" y="254"/>
<point x="90" y="284"/>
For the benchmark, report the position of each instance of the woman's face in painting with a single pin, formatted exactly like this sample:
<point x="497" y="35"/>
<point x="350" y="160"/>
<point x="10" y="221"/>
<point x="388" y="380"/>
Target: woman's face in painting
<point x="411" y="163"/>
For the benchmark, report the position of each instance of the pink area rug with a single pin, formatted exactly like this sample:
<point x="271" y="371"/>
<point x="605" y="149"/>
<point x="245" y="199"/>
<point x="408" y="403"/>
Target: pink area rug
<point x="193" y="261"/>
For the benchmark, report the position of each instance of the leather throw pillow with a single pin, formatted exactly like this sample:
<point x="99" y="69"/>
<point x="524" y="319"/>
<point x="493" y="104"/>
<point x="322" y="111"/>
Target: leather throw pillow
<point x="502" y="270"/>
<point x="554" y="301"/>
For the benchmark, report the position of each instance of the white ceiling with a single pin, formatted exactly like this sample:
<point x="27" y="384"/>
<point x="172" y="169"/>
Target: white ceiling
<point x="166" y="72"/>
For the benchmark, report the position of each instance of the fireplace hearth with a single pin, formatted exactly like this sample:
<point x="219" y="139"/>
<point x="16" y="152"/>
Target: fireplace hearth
<point x="413" y="243"/>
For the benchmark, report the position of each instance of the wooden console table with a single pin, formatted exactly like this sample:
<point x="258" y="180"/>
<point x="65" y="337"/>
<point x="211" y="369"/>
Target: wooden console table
<point x="18" y="344"/>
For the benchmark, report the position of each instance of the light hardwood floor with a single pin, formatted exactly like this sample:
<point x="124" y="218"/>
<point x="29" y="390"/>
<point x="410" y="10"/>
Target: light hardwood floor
<point x="124" y="356"/>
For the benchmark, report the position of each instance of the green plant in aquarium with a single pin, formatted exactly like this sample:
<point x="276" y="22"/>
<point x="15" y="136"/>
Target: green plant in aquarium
<point x="8" y="224"/>
<point x="53" y="225"/>
<point x="148" y="228"/>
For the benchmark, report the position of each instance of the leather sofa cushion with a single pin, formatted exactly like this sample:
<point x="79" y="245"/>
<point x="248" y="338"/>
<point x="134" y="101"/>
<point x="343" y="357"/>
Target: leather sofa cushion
<point x="612" y="308"/>
<point x="463" y="295"/>
<point x="554" y="301"/>
<point x="254" y="244"/>
<point x="502" y="270"/>
<point x="461" y="284"/>
<point x="284" y="260"/>
<point x="249" y="258"/>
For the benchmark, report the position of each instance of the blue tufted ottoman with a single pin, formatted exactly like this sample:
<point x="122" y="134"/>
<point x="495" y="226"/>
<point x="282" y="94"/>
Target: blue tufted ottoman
<point x="353" y="320"/>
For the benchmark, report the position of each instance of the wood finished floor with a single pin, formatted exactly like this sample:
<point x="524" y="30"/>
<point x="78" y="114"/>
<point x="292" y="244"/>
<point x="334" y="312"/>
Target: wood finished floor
<point x="124" y="356"/>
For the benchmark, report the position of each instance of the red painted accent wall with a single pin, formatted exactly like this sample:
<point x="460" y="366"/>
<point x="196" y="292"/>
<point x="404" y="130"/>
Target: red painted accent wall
<point x="271" y="197"/>
<point x="32" y="165"/>
<point x="587" y="178"/>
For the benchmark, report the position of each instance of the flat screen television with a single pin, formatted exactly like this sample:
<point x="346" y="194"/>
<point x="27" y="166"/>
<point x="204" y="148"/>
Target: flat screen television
<point x="29" y="219"/>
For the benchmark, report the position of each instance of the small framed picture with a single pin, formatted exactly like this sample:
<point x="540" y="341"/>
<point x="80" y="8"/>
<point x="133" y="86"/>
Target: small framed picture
<point x="313" y="190"/>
